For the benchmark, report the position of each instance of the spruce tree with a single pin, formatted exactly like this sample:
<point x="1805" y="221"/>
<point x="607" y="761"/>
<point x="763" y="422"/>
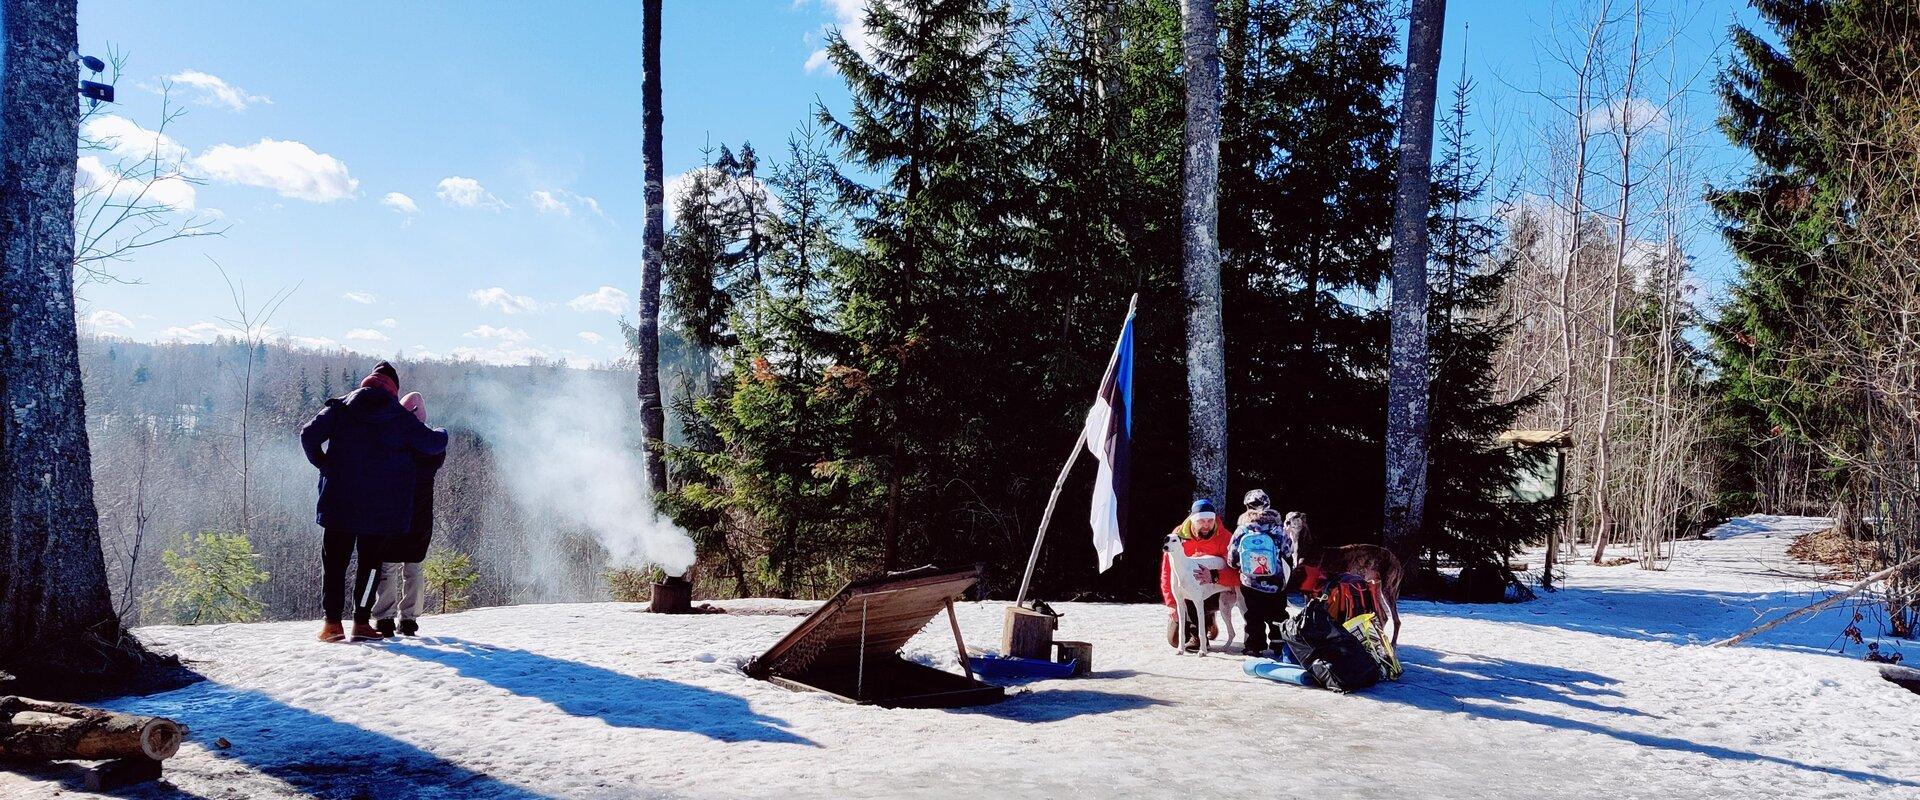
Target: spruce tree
<point x="1471" y="520"/>
<point x="924" y="285"/>
<point x="1308" y="198"/>
<point x="1779" y="221"/>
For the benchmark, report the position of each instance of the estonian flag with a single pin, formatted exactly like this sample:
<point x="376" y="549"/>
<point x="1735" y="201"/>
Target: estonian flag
<point x="1108" y="435"/>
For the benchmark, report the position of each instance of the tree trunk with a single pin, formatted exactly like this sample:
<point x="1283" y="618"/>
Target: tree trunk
<point x="1200" y="246"/>
<point x="1603" y="510"/>
<point x="56" y="612"/>
<point x="31" y="730"/>
<point x="1407" y="390"/>
<point x="653" y="413"/>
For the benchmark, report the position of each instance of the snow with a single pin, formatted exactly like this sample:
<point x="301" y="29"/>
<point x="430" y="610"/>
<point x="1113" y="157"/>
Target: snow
<point x="1602" y="688"/>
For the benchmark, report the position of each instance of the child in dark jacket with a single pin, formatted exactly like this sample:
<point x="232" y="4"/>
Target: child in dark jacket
<point x="1262" y="552"/>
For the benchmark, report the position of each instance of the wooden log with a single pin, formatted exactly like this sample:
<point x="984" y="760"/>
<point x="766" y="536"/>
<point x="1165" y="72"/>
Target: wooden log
<point x="33" y="730"/>
<point x="1079" y="652"/>
<point x="1849" y="592"/>
<point x="1028" y="634"/>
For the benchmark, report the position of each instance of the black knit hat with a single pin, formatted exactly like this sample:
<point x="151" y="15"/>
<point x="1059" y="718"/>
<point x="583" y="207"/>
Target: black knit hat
<point x="384" y="368"/>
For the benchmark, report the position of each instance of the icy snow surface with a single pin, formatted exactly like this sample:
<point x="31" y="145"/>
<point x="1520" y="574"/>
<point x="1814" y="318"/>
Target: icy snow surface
<point x="1600" y="689"/>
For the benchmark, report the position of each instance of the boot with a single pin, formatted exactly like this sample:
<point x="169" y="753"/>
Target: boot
<point x="409" y="627"/>
<point x="332" y="631"/>
<point x="362" y="632"/>
<point x="386" y="628"/>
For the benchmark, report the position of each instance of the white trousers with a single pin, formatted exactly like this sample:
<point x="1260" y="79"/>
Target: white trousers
<point x="394" y="596"/>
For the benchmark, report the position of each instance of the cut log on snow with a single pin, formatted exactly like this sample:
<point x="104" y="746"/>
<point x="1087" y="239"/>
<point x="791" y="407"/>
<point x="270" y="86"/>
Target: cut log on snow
<point x="1849" y="592"/>
<point x="33" y="730"/>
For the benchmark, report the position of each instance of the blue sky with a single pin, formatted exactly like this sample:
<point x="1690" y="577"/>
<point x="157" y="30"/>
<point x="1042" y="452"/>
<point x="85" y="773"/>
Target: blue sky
<point x="513" y="131"/>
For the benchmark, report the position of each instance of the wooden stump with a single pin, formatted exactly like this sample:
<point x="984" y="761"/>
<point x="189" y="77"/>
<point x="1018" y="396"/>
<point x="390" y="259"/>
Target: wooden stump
<point x="32" y="730"/>
<point x="1081" y="652"/>
<point x="1028" y="634"/>
<point x="673" y="596"/>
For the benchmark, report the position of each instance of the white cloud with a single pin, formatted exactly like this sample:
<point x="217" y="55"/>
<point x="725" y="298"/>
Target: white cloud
<point x="849" y="17"/>
<point x="507" y="302"/>
<point x="497" y="334"/>
<point x="366" y="335"/>
<point x="389" y="323"/>
<point x="1637" y="114"/>
<point x="197" y="333"/>
<point x="212" y="90"/>
<point x="562" y="202"/>
<point x="606" y="298"/>
<point x="363" y="298"/>
<point x="467" y="193"/>
<point x="401" y="203"/>
<point x="108" y="320"/>
<point x="501" y="354"/>
<point x="590" y="337"/>
<point x="290" y="168"/>
<point x="92" y="176"/>
<point x="314" y="342"/>
<point x="125" y="138"/>
<point x="545" y="203"/>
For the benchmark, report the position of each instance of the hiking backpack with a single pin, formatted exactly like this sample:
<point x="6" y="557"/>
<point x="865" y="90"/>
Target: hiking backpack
<point x="1261" y="553"/>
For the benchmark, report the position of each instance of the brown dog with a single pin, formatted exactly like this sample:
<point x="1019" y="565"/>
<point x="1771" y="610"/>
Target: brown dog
<point x="1376" y="564"/>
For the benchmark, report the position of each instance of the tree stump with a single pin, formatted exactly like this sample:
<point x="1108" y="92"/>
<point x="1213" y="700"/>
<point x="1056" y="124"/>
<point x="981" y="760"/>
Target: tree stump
<point x="1079" y="652"/>
<point x="672" y="596"/>
<point x="32" y="730"/>
<point x="1028" y="634"/>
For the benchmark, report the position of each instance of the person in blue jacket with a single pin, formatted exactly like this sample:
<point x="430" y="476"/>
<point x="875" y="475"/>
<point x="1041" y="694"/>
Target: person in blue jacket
<point x="365" y="445"/>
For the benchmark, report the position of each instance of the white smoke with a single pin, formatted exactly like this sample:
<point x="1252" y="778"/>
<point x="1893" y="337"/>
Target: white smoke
<point x="569" y="451"/>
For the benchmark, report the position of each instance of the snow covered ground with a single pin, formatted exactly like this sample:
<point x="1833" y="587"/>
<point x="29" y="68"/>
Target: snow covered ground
<point x="1600" y="689"/>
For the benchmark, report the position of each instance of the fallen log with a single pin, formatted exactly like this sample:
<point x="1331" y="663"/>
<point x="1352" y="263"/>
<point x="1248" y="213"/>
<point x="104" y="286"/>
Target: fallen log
<point x="35" y="730"/>
<point x="1849" y="592"/>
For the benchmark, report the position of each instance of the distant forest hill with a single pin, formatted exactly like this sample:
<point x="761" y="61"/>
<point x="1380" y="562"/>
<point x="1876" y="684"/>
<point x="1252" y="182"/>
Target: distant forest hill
<point x="167" y="432"/>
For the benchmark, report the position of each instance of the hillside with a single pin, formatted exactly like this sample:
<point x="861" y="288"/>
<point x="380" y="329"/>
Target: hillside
<point x="1599" y="689"/>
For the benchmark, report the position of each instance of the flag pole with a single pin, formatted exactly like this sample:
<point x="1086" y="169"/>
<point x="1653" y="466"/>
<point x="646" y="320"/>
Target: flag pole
<point x="1033" y="558"/>
<point x="1059" y="483"/>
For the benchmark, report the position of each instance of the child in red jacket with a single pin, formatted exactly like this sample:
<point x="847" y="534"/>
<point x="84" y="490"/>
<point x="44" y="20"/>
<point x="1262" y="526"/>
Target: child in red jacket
<point x="1200" y="534"/>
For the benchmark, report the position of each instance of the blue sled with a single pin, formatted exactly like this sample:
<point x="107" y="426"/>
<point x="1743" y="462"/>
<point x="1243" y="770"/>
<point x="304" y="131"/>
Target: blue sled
<point x="994" y="666"/>
<point x="1277" y="671"/>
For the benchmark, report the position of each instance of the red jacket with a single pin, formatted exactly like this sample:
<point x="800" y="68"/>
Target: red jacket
<point x="1190" y="541"/>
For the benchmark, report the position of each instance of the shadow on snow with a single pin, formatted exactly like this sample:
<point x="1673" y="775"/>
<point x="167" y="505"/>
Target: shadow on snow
<point x="619" y="699"/>
<point x="312" y="752"/>
<point x="1487" y="687"/>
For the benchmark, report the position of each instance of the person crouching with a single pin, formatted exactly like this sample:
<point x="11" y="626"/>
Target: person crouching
<point x="1199" y="536"/>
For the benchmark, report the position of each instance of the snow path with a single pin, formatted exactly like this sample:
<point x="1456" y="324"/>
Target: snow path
<point x="1600" y="689"/>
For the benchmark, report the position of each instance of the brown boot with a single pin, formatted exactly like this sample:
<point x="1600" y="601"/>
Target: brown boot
<point x="362" y="632"/>
<point x="332" y="632"/>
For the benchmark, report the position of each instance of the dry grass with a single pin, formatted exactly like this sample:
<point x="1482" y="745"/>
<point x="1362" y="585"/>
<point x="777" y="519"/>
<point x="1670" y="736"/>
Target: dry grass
<point x="1828" y="547"/>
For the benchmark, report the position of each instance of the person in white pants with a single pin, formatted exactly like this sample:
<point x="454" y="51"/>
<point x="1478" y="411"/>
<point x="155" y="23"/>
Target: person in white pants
<point x="402" y="589"/>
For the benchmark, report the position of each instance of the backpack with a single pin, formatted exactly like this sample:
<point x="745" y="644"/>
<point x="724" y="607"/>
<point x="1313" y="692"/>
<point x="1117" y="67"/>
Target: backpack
<point x="1261" y="554"/>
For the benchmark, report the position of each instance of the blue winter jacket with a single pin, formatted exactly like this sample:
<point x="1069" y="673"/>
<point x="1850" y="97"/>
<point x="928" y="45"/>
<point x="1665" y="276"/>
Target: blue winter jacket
<point x="365" y="445"/>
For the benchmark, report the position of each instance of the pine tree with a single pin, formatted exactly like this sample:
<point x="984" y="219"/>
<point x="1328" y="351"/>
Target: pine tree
<point x="210" y="577"/>
<point x="57" y="621"/>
